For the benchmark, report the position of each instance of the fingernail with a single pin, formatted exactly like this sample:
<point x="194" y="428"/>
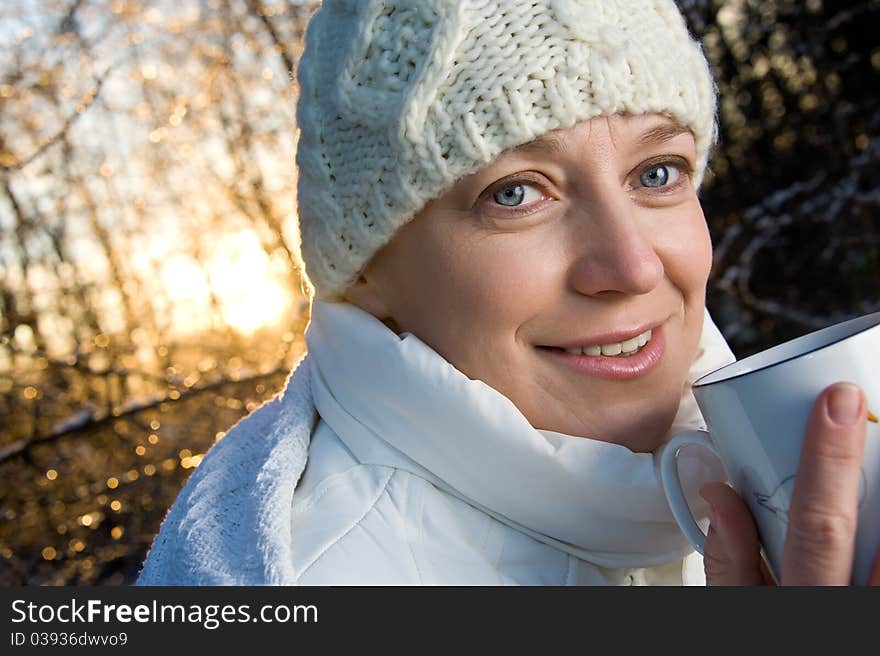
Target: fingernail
<point x="844" y="404"/>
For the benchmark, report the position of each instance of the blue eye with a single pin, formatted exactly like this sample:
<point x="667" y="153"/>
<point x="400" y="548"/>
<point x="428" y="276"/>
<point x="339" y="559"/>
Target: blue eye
<point x="517" y="194"/>
<point x="510" y="196"/>
<point x="659" y="176"/>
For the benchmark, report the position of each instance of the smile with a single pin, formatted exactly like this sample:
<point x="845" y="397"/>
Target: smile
<point x="630" y="358"/>
<point x="625" y="348"/>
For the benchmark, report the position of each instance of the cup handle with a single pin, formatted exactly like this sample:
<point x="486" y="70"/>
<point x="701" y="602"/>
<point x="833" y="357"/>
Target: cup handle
<point x="672" y="485"/>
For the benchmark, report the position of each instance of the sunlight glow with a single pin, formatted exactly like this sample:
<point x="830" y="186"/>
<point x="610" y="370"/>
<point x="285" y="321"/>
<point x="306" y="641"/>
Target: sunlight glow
<point x="240" y="274"/>
<point x="247" y="291"/>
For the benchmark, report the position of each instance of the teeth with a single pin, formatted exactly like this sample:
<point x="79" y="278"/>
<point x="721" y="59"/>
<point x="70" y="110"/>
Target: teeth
<point x="630" y="345"/>
<point x="624" y="348"/>
<point x="611" y="349"/>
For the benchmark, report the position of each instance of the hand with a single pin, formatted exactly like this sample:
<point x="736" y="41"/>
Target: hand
<point x="822" y="517"/>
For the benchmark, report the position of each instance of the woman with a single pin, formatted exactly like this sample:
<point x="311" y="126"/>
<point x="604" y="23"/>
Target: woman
<point x="499" y="217"/>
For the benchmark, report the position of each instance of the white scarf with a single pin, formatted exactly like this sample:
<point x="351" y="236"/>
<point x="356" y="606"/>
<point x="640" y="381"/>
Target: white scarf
<point x="394" y="401"/>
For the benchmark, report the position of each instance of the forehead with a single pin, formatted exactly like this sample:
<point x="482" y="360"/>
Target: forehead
<point x="644" y="131"/>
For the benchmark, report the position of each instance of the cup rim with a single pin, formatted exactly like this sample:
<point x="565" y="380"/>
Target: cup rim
<point x="872" y="321"/>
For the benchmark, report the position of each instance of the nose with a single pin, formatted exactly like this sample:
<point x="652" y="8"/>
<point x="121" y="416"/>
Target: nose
<point x="614" y="251"/>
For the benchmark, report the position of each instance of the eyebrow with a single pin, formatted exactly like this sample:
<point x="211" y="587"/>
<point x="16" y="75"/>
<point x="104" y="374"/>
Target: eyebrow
<point x="547" y="143"/>
<point x="660" y="133"/>
<point x="551" y="144"/>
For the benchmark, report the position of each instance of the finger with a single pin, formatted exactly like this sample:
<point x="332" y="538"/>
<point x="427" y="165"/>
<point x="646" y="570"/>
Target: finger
<point x="822" y="517"/>
<point x="874" y="577"/>
<point x="732" y="552"/>
<point x="767" y="574"/>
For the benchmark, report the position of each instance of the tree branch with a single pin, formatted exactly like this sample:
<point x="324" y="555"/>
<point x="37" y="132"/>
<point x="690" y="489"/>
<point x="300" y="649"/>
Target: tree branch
<point x="257" y="8"/>
<point x="84" y="103"/>
<point x="88" y="422"/>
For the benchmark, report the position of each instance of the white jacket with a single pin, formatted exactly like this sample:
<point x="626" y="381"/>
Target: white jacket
<point x="417" y="474"/>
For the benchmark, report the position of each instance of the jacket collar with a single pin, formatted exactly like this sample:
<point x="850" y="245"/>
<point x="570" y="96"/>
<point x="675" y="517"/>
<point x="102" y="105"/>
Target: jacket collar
<point x="395" y="402"/>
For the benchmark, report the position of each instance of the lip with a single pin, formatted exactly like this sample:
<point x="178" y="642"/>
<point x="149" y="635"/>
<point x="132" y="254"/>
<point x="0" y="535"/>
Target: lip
<point x="607" y="338"/>
<point x="613" y="367"/>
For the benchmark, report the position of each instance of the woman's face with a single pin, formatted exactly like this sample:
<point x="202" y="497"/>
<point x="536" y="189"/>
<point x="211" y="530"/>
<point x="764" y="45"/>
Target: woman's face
<point x="583" y="239"/>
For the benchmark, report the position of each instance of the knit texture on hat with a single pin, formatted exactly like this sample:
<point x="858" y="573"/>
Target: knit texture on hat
<point x="401" y="98"/>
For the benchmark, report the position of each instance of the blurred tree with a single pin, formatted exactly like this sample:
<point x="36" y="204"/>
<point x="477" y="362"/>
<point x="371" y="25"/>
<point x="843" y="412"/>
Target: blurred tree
<point x="149" y="269"/>
<point x="793" y="203"/>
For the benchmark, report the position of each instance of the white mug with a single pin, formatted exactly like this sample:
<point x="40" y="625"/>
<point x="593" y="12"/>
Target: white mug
<point x="756" y="411"/>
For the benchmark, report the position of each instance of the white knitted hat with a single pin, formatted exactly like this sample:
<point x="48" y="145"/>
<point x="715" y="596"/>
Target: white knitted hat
<point x="401" y="98"/>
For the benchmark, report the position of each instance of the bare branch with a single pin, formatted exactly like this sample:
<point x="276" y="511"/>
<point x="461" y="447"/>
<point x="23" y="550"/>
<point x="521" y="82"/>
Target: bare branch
<point x="259" y="10"/>
<point x="84" y="103"/>
<point x="81" y="423"/>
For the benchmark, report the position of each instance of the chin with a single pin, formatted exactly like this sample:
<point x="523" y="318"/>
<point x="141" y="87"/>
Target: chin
<point x="642" y="443"/>
<point x="650" y="430"/>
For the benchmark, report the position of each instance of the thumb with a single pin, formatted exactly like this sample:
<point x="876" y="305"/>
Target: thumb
<point x="732" y="552"/>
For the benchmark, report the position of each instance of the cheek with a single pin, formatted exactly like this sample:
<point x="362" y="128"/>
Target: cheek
<point x="469" y="299"/>
<point x="688" y="260"/>
<point x="499" y="290"/>
<point x="447" y="283"/>
<point x="502" y="281"/>
<point x="686" y="249"/>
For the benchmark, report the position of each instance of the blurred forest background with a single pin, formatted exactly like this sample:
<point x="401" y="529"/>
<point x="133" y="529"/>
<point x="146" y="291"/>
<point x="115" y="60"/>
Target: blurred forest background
<point x="149" y="294"/>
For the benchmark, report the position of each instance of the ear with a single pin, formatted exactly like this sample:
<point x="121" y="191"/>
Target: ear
<point x="368" y="295"/>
